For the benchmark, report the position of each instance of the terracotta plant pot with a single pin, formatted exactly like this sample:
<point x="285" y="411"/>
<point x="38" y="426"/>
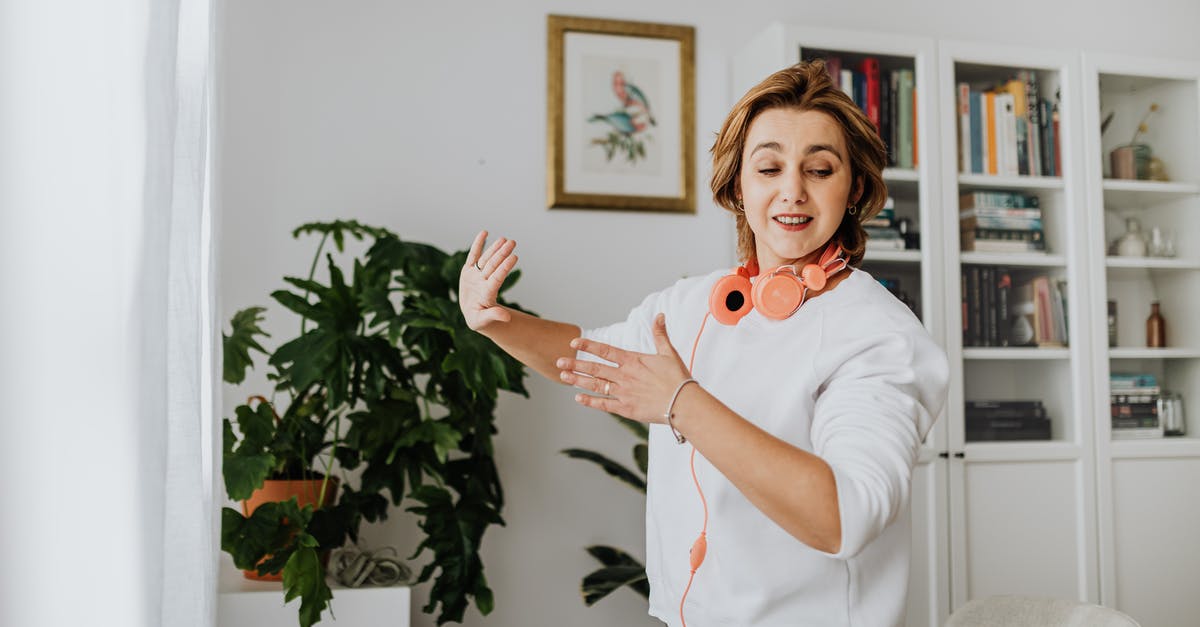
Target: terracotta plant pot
<point x="306" y="492"/>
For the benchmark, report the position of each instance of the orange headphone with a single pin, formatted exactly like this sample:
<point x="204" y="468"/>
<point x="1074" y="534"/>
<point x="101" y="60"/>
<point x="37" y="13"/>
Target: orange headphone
<point x="776" y="295"/>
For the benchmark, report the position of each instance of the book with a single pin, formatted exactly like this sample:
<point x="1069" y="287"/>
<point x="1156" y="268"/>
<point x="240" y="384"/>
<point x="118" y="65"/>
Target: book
<point x="1033" y="115"/>
<point x="980" y="199"/>
<point x="1006" y="144"/>
<point x="870" y="70"/>
<point x="1003" y="288"/>
<point x="904" y="100"/>
<point x="1000" y="240"/>
<point x="977" y="136"/>
<point x="989" y="109"/>
<point x="964" y="128"/>
<point x="999" y="222"/>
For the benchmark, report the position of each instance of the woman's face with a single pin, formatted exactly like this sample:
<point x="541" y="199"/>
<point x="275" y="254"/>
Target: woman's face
<point x="795" y="184"/>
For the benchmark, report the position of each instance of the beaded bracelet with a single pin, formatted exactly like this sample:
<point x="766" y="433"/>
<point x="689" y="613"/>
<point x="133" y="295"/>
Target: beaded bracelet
<point x="669" y="415"/>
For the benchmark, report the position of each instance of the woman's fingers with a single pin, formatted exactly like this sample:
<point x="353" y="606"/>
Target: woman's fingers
<point x="476" y="250"/>
<point x="499" y="274"/>
<point x="601" y="350"/>
<point x="498" y="253"/>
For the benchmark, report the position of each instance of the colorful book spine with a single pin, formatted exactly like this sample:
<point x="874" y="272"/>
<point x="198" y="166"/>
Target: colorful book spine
<point x="904" y="149"/>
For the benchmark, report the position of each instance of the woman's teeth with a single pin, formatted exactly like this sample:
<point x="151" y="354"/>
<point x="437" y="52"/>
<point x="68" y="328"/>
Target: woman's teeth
<point x="791" y="219"/>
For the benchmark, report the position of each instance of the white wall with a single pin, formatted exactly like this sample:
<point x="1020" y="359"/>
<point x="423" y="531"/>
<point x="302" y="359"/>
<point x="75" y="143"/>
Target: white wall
<point x="430" y="120"/>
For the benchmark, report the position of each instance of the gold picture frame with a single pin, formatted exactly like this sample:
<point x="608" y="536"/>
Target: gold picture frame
<point x="621" y="115"/>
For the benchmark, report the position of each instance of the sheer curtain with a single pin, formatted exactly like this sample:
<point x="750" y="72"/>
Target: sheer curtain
<point x="108" y="351"/>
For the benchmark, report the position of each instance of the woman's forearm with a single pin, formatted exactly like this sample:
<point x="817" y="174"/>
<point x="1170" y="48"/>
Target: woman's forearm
<point x="535" y="342"/>
<point x="793" y="487"/>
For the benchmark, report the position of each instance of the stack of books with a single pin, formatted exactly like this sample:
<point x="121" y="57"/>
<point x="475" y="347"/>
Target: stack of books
<point x="883" y="231"/>
<point x="1006" y="420"/>
<point x="1000" y="221"/>
<point x="1134" y="399"/>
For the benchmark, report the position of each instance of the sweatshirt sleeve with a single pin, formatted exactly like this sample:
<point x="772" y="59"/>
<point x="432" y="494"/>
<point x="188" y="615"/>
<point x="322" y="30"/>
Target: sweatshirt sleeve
<point x="635" y="333"/>
<point x="880" y="396"/>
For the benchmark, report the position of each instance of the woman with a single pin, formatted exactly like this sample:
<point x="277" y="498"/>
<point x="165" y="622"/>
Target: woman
<point x="808" y="415"/>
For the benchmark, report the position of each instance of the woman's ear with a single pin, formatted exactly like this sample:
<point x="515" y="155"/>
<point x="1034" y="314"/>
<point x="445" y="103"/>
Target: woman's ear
<point x="857" y="192"/>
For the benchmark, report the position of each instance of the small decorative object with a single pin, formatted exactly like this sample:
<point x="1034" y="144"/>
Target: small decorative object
<point x="1133" y="242"/>
<point x="1161" y="243"/>
<point x="620" y="113"/>
<point x="1112" y="323"/>
<point x="1156" y="328"/>
<point x="1157" y="170"/>
<point x="1132" y="161"/>
<point x="1170" y="412"/>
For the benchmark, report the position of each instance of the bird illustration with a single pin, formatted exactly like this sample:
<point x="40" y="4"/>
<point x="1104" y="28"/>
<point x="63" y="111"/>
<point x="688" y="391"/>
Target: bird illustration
<point x="621" y="122"/>
<point x="631" y="97"/>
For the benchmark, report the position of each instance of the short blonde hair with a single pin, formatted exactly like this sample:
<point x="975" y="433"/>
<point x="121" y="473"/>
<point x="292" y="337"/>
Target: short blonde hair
<point x="805" y="86"/>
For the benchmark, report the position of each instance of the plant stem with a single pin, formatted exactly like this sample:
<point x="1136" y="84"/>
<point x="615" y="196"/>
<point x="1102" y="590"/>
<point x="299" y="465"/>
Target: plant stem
<point x="312" y="271"/>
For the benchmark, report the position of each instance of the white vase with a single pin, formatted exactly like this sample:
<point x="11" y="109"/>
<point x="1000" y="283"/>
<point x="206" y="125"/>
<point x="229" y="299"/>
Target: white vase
<point x="1132" y="243"/>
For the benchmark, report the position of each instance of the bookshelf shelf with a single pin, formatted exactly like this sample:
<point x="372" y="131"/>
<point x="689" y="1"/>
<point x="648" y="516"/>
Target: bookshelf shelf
<point x="1153" y="353"/>
<point x="970" y="182"/>
<point x="1155" y="448"/>
<point x="1018" y="353"/>
<point x="903" y="175"/>
<point x="892" y="256"/>
<point x="1151" y="263"/>
<point x="1013" y="259"/>
<point x="1133" y="194"/>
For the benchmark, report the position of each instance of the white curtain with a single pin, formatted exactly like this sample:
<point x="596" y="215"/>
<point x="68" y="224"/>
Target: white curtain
<point x="108" y="353"/>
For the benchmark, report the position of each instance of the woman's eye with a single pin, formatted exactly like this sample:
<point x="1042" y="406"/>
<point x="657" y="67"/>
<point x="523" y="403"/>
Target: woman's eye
<point x="820" y="173"/>
<point x="768" y="170"/>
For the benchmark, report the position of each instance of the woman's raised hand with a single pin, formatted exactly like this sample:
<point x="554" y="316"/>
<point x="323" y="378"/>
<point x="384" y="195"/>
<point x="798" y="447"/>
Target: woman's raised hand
<point x="480" y="280"/>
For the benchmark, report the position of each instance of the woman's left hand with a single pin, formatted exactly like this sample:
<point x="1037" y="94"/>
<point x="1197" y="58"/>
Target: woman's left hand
<point x="638" y="387"/>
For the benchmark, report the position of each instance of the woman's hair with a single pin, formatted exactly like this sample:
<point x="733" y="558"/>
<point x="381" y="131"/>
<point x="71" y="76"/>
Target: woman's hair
<point x="805" y="86"/>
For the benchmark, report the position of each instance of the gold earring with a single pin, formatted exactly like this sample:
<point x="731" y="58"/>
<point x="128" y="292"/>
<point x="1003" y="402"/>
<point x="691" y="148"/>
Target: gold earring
<point x="740" y="207"/>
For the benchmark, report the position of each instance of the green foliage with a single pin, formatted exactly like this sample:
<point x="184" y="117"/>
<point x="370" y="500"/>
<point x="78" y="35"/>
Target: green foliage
<point x="383" y="377"/>
<point x="620" y="569"/>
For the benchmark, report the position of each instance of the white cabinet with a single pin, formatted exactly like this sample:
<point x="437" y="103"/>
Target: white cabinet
<point x="1023" y="514"/>
<point x="1075" y="514"/>
<point x="1149" y="496"/>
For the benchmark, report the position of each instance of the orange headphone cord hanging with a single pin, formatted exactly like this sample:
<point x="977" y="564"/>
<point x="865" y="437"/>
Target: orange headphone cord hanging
<point x="700" y="546"/>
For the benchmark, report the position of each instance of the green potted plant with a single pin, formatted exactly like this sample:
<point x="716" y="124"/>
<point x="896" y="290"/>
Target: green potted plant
<point x="618" y="568"/>
<point x="385" y="380"/>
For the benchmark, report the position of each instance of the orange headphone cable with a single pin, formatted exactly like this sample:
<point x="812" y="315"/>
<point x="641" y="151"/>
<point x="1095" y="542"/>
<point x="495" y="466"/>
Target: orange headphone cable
<point x="700" y="547"/>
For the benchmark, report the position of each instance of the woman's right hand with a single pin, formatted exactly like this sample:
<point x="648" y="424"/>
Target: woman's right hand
<point x="480" y="279"/>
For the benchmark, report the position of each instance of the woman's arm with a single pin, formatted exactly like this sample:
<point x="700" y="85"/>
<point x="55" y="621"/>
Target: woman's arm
<point x="794" y="488"/>
<point x="533" y="341"/>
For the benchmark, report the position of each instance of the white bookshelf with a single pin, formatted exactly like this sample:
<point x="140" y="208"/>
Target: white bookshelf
<point x="1141" y="483"/>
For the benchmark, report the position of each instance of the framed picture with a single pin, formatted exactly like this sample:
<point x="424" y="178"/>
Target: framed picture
<point x="621" y="112"/>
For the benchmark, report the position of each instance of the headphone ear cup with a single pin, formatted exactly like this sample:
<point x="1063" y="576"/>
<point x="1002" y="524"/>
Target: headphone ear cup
<point x="729" y="300"/>
<point x="814" y="277"/>
<point x="777" y="296"/>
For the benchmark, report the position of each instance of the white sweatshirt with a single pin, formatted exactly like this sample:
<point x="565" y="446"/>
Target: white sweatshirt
<point x="852" y="377"/>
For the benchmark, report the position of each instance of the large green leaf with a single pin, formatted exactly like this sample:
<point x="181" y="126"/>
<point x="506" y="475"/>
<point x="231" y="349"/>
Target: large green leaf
<point x="237" y="345"/>
<point x="303" y="577"/>
<point x="602" y="582"/>
<point x="611" y="467"/>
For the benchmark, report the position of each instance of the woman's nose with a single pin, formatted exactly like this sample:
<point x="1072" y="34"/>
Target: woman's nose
<point x="792" y="187"/>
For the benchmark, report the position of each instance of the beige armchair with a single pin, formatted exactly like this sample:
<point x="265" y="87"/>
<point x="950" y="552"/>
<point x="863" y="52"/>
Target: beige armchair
<point x="1024" y="611"/>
